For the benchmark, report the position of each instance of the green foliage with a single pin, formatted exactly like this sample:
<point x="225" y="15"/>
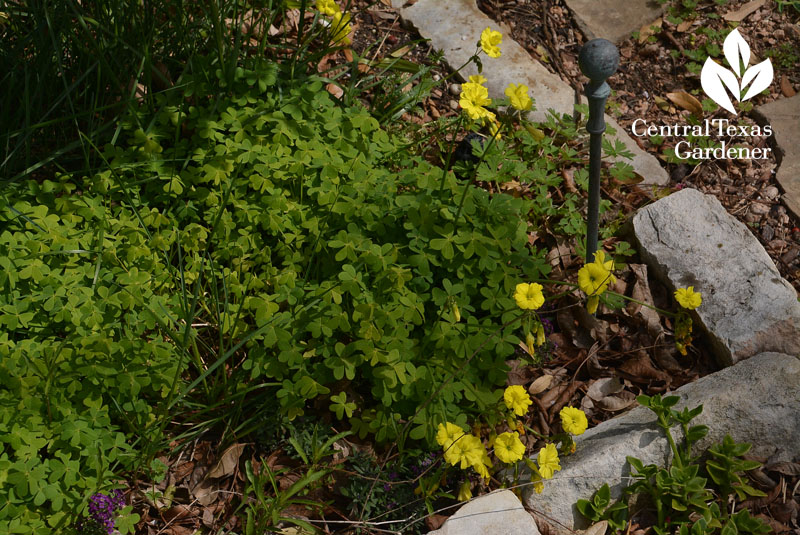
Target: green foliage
<point x="683" y="498"/>
<point x="266" y="501"/>
<point x="601" y="508"/>
<point x="78" y="349"/>
<point x="303" y="233"/>
<point x="380" y="495"/>
<point x="792" y="3"/>
<point x="784" y="55"/>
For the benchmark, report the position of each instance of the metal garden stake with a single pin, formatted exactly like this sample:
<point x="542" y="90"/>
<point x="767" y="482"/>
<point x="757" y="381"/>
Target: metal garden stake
<point x="598" y="60"/>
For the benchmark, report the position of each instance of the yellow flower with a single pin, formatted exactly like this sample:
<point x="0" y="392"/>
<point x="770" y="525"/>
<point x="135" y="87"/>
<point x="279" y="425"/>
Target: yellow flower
<point x="340" y="26"/>
<point x="328" y="7"/>
<point x="455" y="452"/>
<point x="517" y="398"/>
<point x="471" y="452"/>
<point x="477" y="79"/>
<point x="538" y="487"/>
<point x="529" y="296"/>
<point x="447" y="433"/>
<point x="518" y="94"/>
<point x="573" y="420"/>
<point x="464" y="492"/>
<point x="474" y="97"/>
<point x="688" y="298"/>
<point x="548" y="461"/>
<point x="595" y="277"/>
<point x="490" y="41"/>
<point x="508" y="447"/>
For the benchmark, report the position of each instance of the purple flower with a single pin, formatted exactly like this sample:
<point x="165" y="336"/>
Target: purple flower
<point x="102" y="510"/>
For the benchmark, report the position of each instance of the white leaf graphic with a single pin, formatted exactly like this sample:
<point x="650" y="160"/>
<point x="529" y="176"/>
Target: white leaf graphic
<point x="761" y="75"/>
<point x="737" y="51"/>
<point x="712" y="78"/>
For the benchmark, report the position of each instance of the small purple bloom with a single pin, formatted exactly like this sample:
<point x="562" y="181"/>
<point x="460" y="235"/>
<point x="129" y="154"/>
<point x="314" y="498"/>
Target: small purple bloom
<point x="102" y="510"/>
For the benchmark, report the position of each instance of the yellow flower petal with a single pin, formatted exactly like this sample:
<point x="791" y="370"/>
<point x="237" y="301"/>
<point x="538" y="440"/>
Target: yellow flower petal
<point x="508" y="447"/>
<point x="529" y="296"/>
<point x="517" y="399"/>
<point x="490" y="41"/>
<point x="573" y="420"/>
<point x="328" y="7"/>
<point x="548" y="461"/>
<point x="518" y="95"/>
<point x="688" y="298"/>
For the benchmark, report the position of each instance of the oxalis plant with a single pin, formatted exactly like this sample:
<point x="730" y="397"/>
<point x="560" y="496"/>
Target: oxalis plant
<point x="695" y="495"/>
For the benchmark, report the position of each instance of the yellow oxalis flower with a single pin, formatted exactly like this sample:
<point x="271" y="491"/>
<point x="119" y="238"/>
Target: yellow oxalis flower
<point x="548" y="461"/>
<point x="490" y="41"/>
<point x="508" y="447"/>
<point x="573" y="420"/>
<point x="595" y="277"/>
<point x="477" y="79"/>
<point x="517" y="398"/>
<point x="538" y="487"/>
<point x="529" y="296"/>
<point x="472" y="453"/>
<point x="341" y="28"/>
<point x="688" y="298"/>
<point x="474" y="97"/>
<point x="328" y="7"/>
<point x="447" y="433"/>
<point x="518" y="94"/>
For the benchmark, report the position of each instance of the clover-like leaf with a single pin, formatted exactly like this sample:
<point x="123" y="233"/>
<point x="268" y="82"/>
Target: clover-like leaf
<point x="737" y="52"/>
<point x="714" y="78"/>
<point x="761" y="76"/>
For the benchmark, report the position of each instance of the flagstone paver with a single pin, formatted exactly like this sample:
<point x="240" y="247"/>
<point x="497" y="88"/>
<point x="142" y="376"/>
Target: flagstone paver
<point x="689" y="239"/>
<point x="784" y="117"/>
<point x="455" y="26"/>
<point x="755" y="401"/>
<point x="612" y="19"/>
<point x="490" y="514"/>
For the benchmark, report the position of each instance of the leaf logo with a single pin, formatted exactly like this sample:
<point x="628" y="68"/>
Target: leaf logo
<point x="715" y="78"/>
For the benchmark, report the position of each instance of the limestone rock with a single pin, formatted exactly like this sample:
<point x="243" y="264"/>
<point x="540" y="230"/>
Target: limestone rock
<point x="688" y="239"/>
<point x="612" y="19"/>
<point x="755" y="401"/>
<point x="784" y="117"/>
<point x="490" y="514"/>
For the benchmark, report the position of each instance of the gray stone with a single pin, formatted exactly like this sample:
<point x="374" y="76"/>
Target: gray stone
<point x="784" y="117"/>
<point x="755" y="401"/>
<point x="688" y="239"/>
<point x="455" y="26"/>
<point x="612" y="19"/>
<point x="490" y="514"/>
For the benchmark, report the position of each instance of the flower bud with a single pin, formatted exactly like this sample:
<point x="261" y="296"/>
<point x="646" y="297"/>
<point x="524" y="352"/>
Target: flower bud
<point x="456" y="312"/>
<point x="540" y="339"/>
<point x="531" y="343"/>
